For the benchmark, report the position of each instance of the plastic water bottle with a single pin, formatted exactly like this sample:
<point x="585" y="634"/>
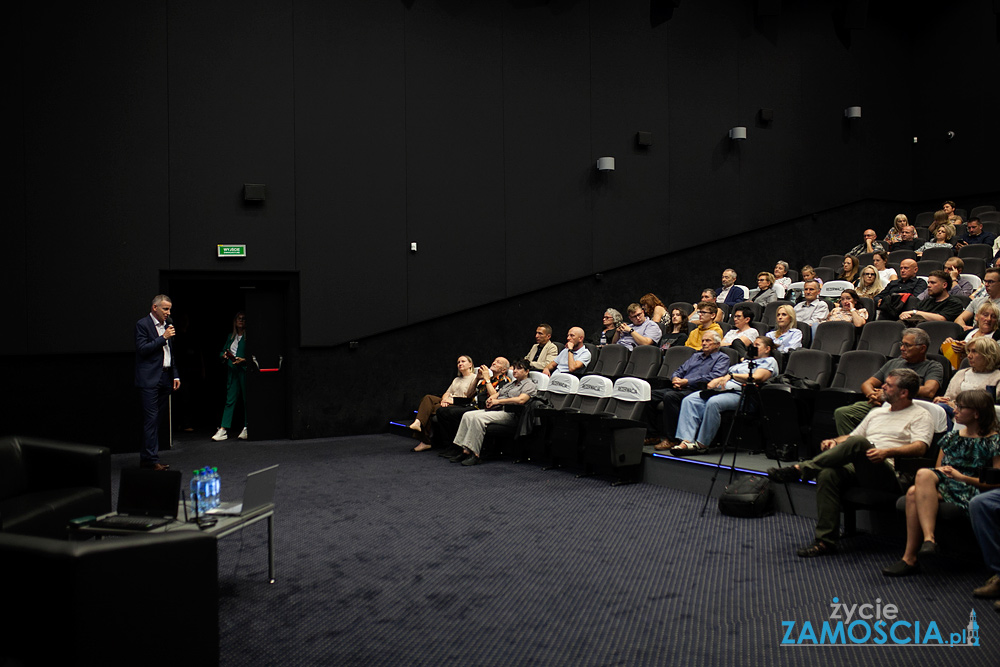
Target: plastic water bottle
<point x="195" y="491"/>
<point x="217" y="497"/>
<point x="209" y="488"/>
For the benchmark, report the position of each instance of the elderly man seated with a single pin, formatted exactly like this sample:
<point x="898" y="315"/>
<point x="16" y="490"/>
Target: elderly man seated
<point x="472" y="429"/>
<point x="870" y="244"/>
<point x="693" y="375"/>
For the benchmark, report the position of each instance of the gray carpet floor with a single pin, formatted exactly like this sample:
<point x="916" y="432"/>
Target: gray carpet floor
<point x="386" y="557"/>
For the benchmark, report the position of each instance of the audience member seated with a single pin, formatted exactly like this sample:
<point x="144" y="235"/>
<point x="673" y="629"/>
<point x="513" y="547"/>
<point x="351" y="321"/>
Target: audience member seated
<point x="893" y="299"/>
<point x="942" y="239"/>
<point x="701" y="415"/>
<point x="449" y="417"/>
<point x="767" y="293"/>
<point x="939" y="306"/>
<point x="654" y="309"/>
<point x="886" y="272"/>
<point x="869" y="244"/>
<point x="974" y="234"/>
<point x="954" y="479"/>
<point x="809" y="273"/>
<point x="574" y="356"/>
<point x="896" y="429"/>
<point x="982" y="373"/>
<point x="991" y="283"/>
<point x="940" y="218"/>
<point x="781" y="280"/>
<point x="912" y="357"/>
<point x="544" y="350"/>
<point x="849" y="310"/>
<point x="692" y="375"/>
<point x="642" y="331"/>
<point x="909" y="240"/>
<point x="742" y="335"/>
<point x="811" y="310"/>
<point x="850" y="270"/>
<point x="948" y="208"/>
<point x="959" y="285"/>
<point x="785" y="334"/>
<point x="460" y="390"/>
<point x="987" y="320"/>
<point x="870" y="283"/>
<point x="472" y="428"/>
<point x="707" y="294"/>
<point x="729" y="292"/>
<point x="706" y="310"/>
<point x="895" y="233"/>
<point x="984" y="510"/>
<point x="609" y="334"/>
<point x="677" y="331"/>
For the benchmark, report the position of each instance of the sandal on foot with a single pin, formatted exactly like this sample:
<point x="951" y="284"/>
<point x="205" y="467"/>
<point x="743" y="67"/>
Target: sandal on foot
<point x="900" y="569"/>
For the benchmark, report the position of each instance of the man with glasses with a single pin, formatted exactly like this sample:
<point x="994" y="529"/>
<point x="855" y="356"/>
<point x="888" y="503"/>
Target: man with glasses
<point x="864" y="456"/>
<point x="992" y="284"/>
<point x="870" y="244"/>
<point x="706" y="322"/>
<point x="544" y="351"/>
<point x="913" y="356"/>
<point x="642" y="330"/>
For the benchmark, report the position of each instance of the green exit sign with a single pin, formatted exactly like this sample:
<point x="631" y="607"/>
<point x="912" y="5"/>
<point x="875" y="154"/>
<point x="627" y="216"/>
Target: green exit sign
<point x="238" y="250"/>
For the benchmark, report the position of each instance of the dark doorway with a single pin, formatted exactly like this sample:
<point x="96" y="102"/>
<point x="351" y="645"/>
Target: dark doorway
<point x="205" y="304"/>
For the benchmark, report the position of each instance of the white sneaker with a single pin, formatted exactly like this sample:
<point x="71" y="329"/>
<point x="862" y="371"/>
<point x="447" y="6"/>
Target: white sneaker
<point x="243" y="434"/>
<point x="220" y="435"/>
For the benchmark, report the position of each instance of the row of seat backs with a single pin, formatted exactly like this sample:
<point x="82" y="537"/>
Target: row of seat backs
<point x="624" y="397"/>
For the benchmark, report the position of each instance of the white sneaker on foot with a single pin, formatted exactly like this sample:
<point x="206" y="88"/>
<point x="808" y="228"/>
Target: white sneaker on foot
<point x="220" y="435"/>
<point x="243" y="434"/>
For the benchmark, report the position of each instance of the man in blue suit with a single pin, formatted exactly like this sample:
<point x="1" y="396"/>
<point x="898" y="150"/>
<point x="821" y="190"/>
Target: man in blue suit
<point x="155" y="375"/>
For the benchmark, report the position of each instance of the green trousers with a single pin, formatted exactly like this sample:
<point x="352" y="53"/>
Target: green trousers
<point x="836" y="469"/>
<point x="849" y="416"/>
<point x="236" y="386"/>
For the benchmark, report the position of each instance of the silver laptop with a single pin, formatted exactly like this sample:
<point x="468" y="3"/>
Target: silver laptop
<point x="258" y="492"/>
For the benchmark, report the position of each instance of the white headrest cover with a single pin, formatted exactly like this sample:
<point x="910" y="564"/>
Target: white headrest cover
<point x="631" y="389"/>
<point x="937" y="413"/>
<point x="540" y="379"/>
<point x="597" y="386"/>
<point x="563" y="383"/>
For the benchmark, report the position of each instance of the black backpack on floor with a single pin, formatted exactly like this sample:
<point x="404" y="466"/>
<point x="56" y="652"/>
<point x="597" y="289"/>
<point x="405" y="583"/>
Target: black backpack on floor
<point x="748" y="496"/>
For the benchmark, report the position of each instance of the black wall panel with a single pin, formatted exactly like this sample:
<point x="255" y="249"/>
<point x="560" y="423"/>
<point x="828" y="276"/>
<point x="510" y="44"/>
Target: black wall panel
<point x="94" y="171"/>
<point x="703" y="105"/>
<point x="454" y="157"/>
<point x="350" y="184"/>
<point x="13" y="242"/>
<point x="629" y="94"/>
<point x="231" y="122"/>
<point x="548" y="157"/>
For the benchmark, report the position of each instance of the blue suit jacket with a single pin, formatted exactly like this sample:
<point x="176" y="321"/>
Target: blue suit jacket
<point x="149" y="354"/>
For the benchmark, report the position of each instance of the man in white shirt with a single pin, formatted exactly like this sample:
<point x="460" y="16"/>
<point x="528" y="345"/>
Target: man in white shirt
<point x="864" y="457"/>
<point x="811" y="310"/>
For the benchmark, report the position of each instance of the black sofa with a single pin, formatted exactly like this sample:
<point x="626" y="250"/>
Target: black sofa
<point x="44" y="484"/>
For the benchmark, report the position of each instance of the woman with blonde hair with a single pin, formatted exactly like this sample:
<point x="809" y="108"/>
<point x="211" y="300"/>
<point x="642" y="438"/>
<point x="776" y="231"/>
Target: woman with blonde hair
<point x="870" y="282"/>
<point x="785" y="334"/>
<point x="987" y="321"/>
<point x="942" y="239"/>
<point x="895" y="234"/>
<point x="982" y="373"/>
<point x="767" y="293"/>
<point x="460" y="390"/>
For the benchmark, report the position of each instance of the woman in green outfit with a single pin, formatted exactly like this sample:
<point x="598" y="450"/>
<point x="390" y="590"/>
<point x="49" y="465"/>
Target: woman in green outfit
<point x="234" y="356"/>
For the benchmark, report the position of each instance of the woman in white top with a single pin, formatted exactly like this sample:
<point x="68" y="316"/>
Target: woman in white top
<point x="742" y="335"/>
<point x="887" y="274"/>
<point x="461" y="388"/>
<point x="984" y="360"/>
<point x="870" y="283"/>
<point x="785" y="334"/>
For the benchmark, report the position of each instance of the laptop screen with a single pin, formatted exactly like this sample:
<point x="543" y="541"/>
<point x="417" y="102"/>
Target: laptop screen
<point x="149" y="492"/>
